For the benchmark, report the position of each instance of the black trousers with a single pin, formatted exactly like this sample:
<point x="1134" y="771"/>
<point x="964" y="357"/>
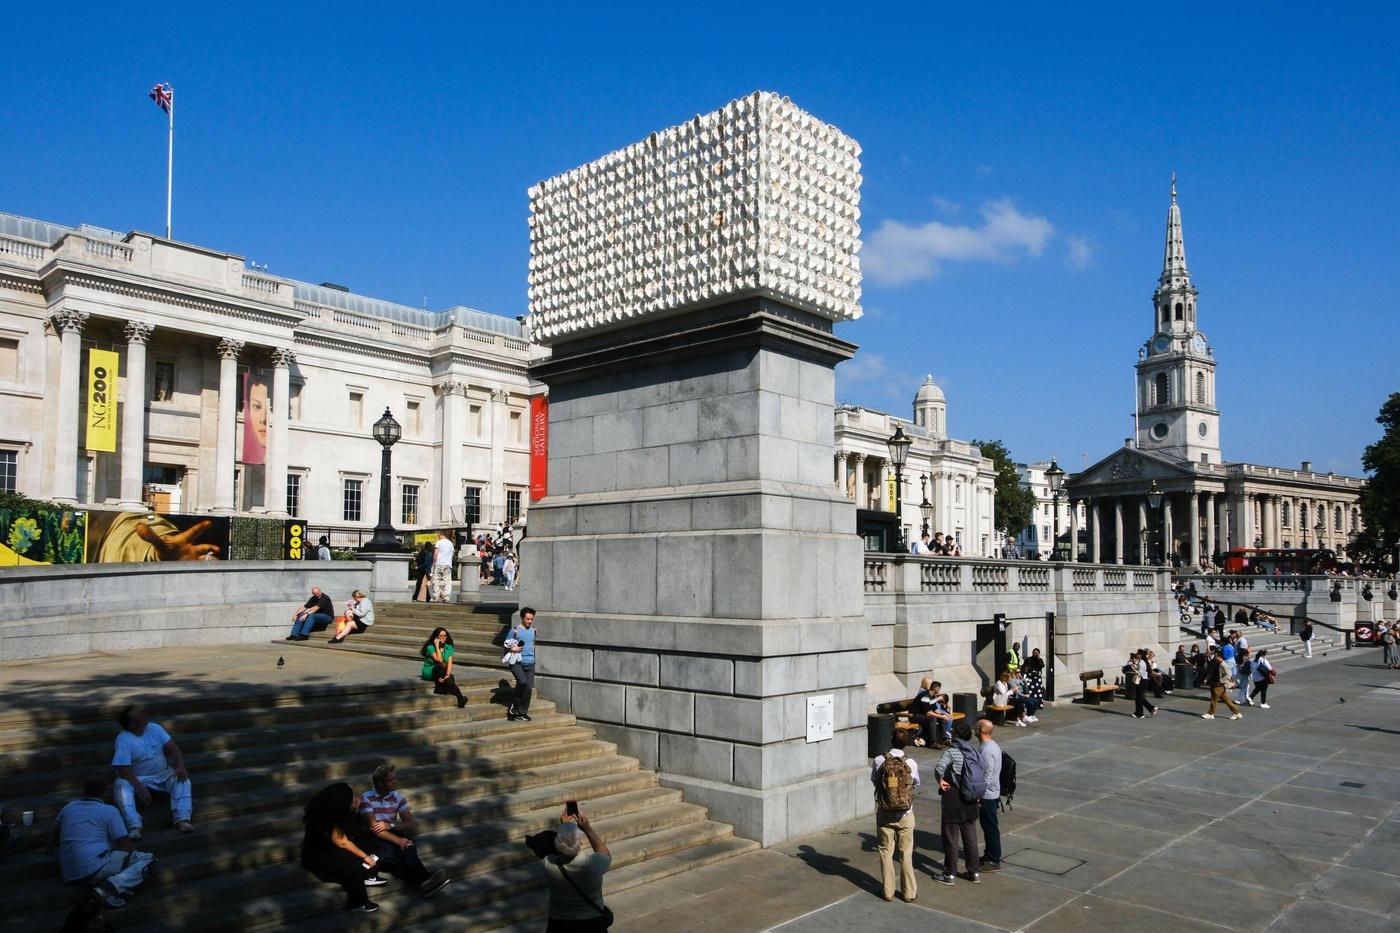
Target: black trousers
<point x="556" y="925"/>
<point x="1261" y="690"/>
<point x="447" y="686"/>
<point x="401" y="863"/>
<point x="1140" y="698"/>
<point x="337" y="866"/>
<point x="524" y="686"/>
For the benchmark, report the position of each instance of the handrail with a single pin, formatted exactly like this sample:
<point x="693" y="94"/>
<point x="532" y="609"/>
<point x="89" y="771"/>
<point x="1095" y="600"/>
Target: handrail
<point x="1346" y="633"/>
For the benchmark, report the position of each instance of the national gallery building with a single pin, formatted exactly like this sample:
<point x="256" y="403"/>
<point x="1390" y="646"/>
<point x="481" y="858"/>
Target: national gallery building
<point x="1168" y="495"/>
<point x="241" y="392"/>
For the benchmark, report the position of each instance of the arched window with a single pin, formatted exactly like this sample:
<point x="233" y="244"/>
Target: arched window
<point x="1337" y="519"/>
<point x="1303" y="518"/>
<point x="1355" y="520"/>
<point x="1166" y="314"/>
<point x="1200" y="388"/>
<point x="1179" y="316"/>
<point x="1161" y="393"/>
<point x="1287" y="514"/>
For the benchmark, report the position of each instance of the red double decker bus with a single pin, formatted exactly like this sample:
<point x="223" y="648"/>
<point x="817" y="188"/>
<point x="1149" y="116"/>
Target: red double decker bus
<point x="1271" y="560"/>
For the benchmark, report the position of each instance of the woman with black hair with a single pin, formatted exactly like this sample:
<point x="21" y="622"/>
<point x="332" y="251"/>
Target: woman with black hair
<point x="329" y="851"/>
<point x="437" y="665"/>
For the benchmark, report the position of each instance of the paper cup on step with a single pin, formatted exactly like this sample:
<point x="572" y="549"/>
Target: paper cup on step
<point x="28" y="818"/>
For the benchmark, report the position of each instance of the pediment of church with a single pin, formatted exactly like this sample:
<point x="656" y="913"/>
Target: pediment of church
<point x="1130" y="466"/>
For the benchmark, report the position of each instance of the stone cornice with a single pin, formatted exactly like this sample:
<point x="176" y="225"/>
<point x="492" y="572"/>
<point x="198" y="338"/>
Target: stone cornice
<point x="168" y="296"/>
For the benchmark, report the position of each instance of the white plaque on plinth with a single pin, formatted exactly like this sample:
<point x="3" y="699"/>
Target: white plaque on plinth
<point x="821" y="717"/>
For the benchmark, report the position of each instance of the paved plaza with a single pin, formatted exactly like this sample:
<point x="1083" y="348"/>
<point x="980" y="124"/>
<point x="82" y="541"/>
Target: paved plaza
<point x="1286" y="820"/>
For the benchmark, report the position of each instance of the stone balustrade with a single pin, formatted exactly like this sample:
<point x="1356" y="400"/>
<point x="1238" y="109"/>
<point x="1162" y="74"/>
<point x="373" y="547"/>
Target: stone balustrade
<point x="898" y="573"/>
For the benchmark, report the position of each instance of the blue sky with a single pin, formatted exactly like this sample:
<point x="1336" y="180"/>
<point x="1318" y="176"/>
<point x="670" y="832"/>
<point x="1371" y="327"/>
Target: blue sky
<point x="1016" y="174"/>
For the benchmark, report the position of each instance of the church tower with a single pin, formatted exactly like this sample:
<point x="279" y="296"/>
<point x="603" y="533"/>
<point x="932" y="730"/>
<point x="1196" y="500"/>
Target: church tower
<point x="1176" y="413"/>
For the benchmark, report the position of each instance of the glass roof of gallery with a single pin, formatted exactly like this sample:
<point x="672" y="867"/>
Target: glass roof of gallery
<point x="41" y="231"/>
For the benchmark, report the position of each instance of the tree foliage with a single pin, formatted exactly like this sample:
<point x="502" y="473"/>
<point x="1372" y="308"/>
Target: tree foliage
<point x="1015" y="504"/>
<point x="1380" y="500"/>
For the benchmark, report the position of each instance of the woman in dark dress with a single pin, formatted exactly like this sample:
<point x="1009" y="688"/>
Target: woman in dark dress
<point x="1032" y="674"/>
<point x="329" y="850"/>
<point x="423" y="564"/>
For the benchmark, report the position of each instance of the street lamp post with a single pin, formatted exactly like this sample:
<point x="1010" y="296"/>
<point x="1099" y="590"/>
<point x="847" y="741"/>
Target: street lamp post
<point x="1056" y="478"/>
<point x="899" y="445"/>
<point x="387" y="432"/>
<point x="1320" y="528"/>
<point x="925" y="506"/>
<point x="1154" y="500"/>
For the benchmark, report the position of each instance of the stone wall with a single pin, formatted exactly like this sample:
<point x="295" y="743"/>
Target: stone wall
<point x="66" y="610"/>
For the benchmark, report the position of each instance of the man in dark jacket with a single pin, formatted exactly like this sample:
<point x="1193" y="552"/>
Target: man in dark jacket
<point x="1218" y="679"/>
<point x="959" y="818"/>
<point x="318" y="613"/>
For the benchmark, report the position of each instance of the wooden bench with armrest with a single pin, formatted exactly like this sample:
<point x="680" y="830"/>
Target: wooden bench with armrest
<point x="1097" y="692"/>
<point x="903" y="722"/>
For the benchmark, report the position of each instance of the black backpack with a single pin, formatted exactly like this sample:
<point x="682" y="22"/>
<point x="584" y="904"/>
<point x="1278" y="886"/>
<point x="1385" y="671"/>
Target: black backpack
<point x="1007" y="780"/>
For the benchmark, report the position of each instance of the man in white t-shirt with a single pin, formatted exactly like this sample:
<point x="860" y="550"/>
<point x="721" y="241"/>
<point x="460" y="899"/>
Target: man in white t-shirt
<point x="443" y="552"/>
<point x="148" y="759"/>
<point x="94" y="849"/>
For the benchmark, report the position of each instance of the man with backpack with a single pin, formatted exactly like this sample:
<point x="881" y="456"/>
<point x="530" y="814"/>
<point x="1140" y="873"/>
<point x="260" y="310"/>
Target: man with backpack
<point x="895" y="776"/>
<point x="962" y="783"/>
<point x="990" y="753"/>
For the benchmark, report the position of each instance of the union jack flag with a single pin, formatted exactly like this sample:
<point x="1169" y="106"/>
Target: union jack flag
<point x="164" y="96"/>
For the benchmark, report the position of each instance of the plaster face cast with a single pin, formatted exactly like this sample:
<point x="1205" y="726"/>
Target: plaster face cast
<point x="756" y="198"/>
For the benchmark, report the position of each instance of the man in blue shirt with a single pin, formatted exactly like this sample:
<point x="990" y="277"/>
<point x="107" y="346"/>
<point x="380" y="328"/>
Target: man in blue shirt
<point x="524" y="669"/>
<point x="94" y="847"/>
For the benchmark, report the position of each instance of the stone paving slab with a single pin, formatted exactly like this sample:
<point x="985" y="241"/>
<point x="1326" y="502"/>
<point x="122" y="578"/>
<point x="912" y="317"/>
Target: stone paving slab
<point x="1170" y="824"/>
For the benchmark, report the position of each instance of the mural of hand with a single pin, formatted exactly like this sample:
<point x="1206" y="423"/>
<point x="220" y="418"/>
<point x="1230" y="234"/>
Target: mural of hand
<point x="179" y="545"/>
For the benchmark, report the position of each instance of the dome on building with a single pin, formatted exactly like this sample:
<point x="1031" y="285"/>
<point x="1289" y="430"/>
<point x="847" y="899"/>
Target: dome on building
<point x="929" y="392"/>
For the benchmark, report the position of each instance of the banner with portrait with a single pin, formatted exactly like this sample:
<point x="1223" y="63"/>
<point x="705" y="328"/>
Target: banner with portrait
<point x="255" y="396"/>
<point x="138" y="537"/>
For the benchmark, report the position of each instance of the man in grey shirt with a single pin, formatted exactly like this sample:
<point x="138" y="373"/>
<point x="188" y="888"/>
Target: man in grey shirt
<point x="991" y="765"/>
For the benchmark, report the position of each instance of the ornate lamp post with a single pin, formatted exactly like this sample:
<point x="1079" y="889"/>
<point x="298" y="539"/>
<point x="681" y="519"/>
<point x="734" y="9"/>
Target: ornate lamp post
<point x="1154" y="500"/>
<point x="925" y="507"/>
<point x="1321" y="529"/>
<point x="1056" y="478"/>
<point x="899" y="445"/>
<point x="387" y="432"/>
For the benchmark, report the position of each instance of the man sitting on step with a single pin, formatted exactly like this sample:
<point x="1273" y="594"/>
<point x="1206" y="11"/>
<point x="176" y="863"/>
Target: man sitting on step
<point x="94" y="847"/>
<point x="148" y="759"/>
<point x="387" y="814"/>
<point x="318" y="613"/>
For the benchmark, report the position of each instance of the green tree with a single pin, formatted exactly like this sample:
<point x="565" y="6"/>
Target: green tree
<point x="1015" y="504"/>
<point x="1380" y="500"/>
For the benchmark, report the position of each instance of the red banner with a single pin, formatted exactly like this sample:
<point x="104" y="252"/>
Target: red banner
<point x="539" y="447"/>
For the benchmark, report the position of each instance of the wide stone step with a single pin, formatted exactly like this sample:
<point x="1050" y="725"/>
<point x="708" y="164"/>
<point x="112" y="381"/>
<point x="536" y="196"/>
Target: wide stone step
<point x="421" y="710"/>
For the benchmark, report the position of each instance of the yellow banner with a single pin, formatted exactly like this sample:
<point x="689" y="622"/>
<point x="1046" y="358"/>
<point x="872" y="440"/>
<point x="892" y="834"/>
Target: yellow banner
<point x="891" y="484"/>
<point x="102" y="400"/>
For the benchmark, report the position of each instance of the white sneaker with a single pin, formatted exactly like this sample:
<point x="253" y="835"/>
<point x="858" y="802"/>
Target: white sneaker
<point x="134" y="834"/>
<point x="1021" y="723"/>
<point x="375" y="882"/>
<point x="1263" y="706"/>
<point x="1207" y="715"/>
<point x="1032" y="719"/>
<point x="1238" y="716"/>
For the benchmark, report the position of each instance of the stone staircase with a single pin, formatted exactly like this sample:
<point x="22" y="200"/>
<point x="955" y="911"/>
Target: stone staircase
<point x="477" y="783"/>
<point x="1281" y="646"/>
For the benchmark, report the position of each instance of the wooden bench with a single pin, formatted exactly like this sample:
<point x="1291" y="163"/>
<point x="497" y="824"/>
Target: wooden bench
<point x="1098" y="692"/>
<point x="901" y="709"/>
<point x="997" y="714"/>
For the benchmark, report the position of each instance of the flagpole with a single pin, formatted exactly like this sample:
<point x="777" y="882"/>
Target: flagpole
<point x="169" y="164"/>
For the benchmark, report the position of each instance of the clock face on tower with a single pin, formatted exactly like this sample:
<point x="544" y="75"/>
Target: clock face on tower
<point x="1198" y="344"/>
<point x="1202" y="429"/>
<point x="1161" y="343"/>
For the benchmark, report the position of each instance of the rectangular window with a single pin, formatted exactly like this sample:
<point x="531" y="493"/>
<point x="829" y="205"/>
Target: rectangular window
<point x="1045" y="533"/>
<point x="357" y="409"/>
<point x="473" y="506"/>
<point x="474" y="420"/>
<point x="411" y="416"/>
<point x="512" y="504"/>
<point x="294" y="494"/>
<point x="9" y="470"/>
<point x="351" y="500"/>
<point x="517" y="428"/>
<point x="9" y="359"/>
<point x="163" y="382"/>
<point x="410" y="504"/>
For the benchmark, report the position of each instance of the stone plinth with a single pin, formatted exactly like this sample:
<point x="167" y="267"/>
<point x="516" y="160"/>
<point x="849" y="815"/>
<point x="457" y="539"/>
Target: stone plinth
<point x="696" y="576"/>
<point x="388" y="579"/>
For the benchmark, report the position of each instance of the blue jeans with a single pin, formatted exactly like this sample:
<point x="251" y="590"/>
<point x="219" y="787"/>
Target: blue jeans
<point x="991" y="831"/>
<point x="308" y="625"/>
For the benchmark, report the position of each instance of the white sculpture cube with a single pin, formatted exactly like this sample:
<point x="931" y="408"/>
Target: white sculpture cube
<point x="756" y="198"/>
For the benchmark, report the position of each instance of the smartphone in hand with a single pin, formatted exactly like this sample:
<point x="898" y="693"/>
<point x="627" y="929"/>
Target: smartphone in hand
<point x="571" y="807"/>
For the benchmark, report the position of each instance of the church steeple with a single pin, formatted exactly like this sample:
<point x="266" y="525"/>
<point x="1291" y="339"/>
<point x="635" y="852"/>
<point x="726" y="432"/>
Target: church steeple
<point x="1174" y="301"/>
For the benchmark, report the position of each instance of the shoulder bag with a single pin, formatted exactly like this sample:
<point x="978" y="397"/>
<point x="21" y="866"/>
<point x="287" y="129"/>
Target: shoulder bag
<point x="604" y="912"/>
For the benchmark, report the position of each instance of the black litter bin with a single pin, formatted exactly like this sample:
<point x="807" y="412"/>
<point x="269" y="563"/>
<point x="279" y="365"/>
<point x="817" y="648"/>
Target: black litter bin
<point x="879" y="732"/>
<point x="968" y="704"/>
<point x="1185" y="676"/>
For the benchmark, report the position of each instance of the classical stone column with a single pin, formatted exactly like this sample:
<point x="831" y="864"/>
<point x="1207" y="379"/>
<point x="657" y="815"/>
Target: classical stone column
<point x="499" y="423"/>
<point x="275" y="467"/>
<point x="1118" y="530"/>
<point x="1168" y="529"/>
<point x="133" y="445"/>
<point x="1193" y="542"/>
<point x="838" y="471"/>
<point x="224" y="449"/>
<point x="1073" y="524"/>
<point x="1210" y="524"/>
<point x="1266" y="520"/>
<point x="68" y="322"/>
<point x="454" y="398"/>
<point x="860" y="479"/>
<point x="1223" y="529"/>
<point x="1095" y="552"/>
